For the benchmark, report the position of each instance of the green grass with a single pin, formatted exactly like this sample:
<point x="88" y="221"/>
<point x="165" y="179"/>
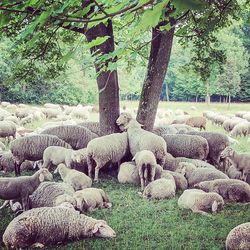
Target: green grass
<point x="143" y="224"/>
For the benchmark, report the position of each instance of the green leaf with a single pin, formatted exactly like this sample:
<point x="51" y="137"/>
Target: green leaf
<point x="97" y="41"/>
<point x="166" y="27"/>
<point x="183" y="5"/>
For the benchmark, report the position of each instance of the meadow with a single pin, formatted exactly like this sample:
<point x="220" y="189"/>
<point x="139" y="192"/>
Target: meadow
<point x="144" y="224"/>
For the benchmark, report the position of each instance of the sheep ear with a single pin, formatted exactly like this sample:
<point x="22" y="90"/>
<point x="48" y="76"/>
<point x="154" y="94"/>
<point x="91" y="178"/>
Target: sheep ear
<point x="96" y="228"/>
<point x="41" y="177"/>
<point x="134" y="158"/>
<point x="214" y="206"/>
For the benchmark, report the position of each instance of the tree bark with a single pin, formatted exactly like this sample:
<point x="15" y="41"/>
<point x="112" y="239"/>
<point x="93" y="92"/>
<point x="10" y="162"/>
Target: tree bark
<point x="167" y="92"/>
<point x="107" y="81"/>
<point x="160" y="51"/>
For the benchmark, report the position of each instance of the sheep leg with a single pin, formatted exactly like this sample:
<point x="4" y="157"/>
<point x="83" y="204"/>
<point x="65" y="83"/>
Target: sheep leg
<point x="97" y="168"/>
<point x="90" y="166"/>
<point x="200" y="212"/>
<point x="152" y="174"/>
<point x="37" y="245"/>
<point x="26" y="202"/>
<point x="17" y="168"/>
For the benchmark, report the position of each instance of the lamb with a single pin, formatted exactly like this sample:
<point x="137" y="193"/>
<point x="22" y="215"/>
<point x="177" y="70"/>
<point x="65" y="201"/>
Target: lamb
<point x="49" y="194"/>
<point x="92" y="126"/>
<point x="239" y="237"/>
<point x="238" y="160"/>
<point x="200" y="202"/>
<point x="105" y="149"/>
<point x="7" y="129"/>
<point x="146" y="164"/>
<point x="91" y="199"/>
<point x="195" y="175"/>
<point x="180" y="180"/>
<point x="140" y="139"/>
<point x="217" y="142"/>
<point x="39" y="227"/>
<point x="163" y="188"/>
<point x="242" y="128"/>
<point x="190" y="146"/>
<point x="233" y="190"/>
<point x="32" y="148"/>
<point x="78" y="137"/>
<point x="197" y="121"/>
<point x="129" y="173"/>
<point x="73" y="177"/>
<point x="13" y="188"/>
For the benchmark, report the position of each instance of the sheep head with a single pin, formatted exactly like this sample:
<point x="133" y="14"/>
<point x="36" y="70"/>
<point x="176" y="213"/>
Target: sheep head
<point x="102" y="229"/>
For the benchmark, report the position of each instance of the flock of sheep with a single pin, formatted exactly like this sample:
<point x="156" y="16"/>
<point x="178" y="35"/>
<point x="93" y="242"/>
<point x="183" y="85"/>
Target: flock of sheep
<point x="174" y="157"/>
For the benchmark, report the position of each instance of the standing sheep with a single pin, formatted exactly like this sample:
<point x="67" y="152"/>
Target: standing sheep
<point x="239" y="237"/>
<point x="146" y="164"/>
<point x="32" y="148"/>
<point x="76" y="136"/>
<point x="217" y="142"/>
<point x="105" y="149"/>
<point x="233" y="190"/>
<point x="200" y="202"/>
<point x="239" y="161"/>
<point x="7" y="129"/>
<point x="163" y="188"/>
<point x="90" y="199"/>
<point x="13" y="188"/>
<point x="242" y="128"/>
<point x="190" y="146"/>
<point x="73" y="177"/>
<point x="39" y="227"/>
<point x="197" y="122"/>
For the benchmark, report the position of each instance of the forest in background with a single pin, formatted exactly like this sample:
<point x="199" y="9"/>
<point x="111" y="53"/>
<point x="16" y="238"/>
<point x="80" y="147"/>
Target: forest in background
<point x="72" y="79"/>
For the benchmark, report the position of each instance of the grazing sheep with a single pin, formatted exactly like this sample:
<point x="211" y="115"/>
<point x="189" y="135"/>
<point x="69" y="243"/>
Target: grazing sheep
<point x="197" y="122"/>
<point x="233" y="172"/>
<point x="140" y="139"/>
<point x="39" y="227"/>
<point x="182" y="128"/>
<point x="105" y="149"/>
<point x="51" y="112"/>
<point x="200" y="202"/>
<point x="54" y="155"/>
<point x="7" y="129"/>
<point x="195" y="175"/>
<point x="21" y="113"/>
<point x="164" y="130"/>
<point x="48" y="194"/>
<point x="92" y="126"/>
<point x="233" y="190"/>
<point x="217" y="142"/>
<point x="12" y="119"/>
<point x="129" y="173"/>
<point x="238" y="160"/>
<point x="163" y="188"/>
<point x="74" y="178"/>
<point x="5" y="104"/>
<point x="26" y="120"/>
<point x="80" y="112"/>
<point x="13" y="188"/>
<point x="190" y="146"/>
<point x="240" y="113"/>
<point x="242" y="128"/>
<point x="239" y="237"/>
<point x="181" y="119"/>
<point x="146" y="164"/>
<point x="76" y="136"/>
<point x="180" y="180"/>
<point x="32" y="148"/>
<point x="247" y="116"/>
<point x="91" y="199"/>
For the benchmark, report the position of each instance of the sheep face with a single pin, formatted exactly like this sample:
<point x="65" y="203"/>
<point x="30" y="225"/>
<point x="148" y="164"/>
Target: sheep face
<point x="123" y="120"/>
<point x="228" y="151"/>
<point x="101" y="229"/>
<point x="217" y="205"/>
<point x="45" y="175"/>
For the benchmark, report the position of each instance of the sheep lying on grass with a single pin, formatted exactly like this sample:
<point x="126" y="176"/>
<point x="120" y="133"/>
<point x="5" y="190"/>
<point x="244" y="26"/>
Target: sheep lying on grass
<point x="40" y="227"/>
<point x="108" y="148"/>
<point x="239" y="237"/>
<point x="91" y="199"/>
<point x="233" y="190"/>
<point x="200" y="202"/>
<point x="73" y="177"/>
<point x="240" y="161"/>
<point x="15" y="188"/>
<point x="180" y="180"/>
<point x="146" y="164"/>
<point x="163" y="188"/>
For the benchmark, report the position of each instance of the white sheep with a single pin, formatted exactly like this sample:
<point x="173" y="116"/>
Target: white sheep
<point x="239" y="160"/>
<point x="180" y="180"/>
<point x="108" y="148"/>
<point x="239" y="237"/>
<point x="200" y="202"/>
<point x="163" y="188"/>
<point x="90" y="199"/>
<point x="146" y="164"/>
<point x="52" y="225"/>
<point x="73" y="177"/>
<point x="242" y="128"/>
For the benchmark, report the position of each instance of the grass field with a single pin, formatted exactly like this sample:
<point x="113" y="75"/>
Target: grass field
<point x="142" y="224"/>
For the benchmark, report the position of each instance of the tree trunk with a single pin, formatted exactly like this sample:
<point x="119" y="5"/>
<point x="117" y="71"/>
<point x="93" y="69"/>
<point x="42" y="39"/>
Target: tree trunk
<point x="167" y="92"/>
<point x="107" y="81"/>
<point x="208" y="94"/>
<point x="161" y="46"/>
<point x="196" y="98"/>
<point x="220" y="98"/>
